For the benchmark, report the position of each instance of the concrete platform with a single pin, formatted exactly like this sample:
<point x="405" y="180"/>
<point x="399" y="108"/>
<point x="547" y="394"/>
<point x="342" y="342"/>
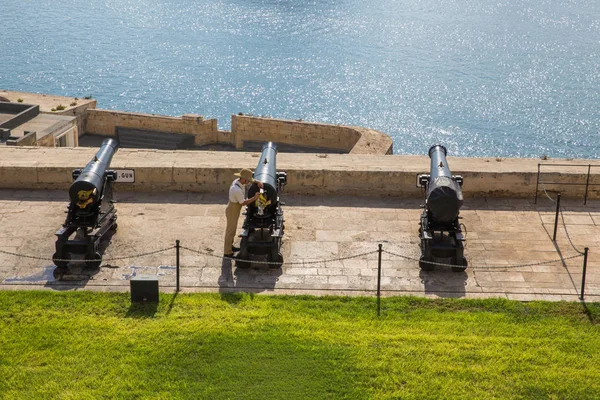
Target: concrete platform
<point x="320" y="233"/>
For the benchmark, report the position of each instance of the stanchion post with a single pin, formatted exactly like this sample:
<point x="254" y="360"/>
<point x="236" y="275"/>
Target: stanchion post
<point x="379" y="281"/>
<point x="177" y="262"/>
<point x="585" y="257"/>
<point x="556" y="217"/>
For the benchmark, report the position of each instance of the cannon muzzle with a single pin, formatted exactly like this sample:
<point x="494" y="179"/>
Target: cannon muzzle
<point x="88" y="185"/>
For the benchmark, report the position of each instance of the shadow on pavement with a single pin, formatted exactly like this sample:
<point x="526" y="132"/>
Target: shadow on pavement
<point x="444" y="282"/>
<point x="250" y="280"/>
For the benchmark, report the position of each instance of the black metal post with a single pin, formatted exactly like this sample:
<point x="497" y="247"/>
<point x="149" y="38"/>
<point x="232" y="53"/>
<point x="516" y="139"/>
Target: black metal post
<point x="537" y="184"/>
<point x="585" y="256"/>
<point x="379" y="282"/>
<point x="177" y="262"/>
<point x="556" y="217"/>
<point x="587" y="184"/>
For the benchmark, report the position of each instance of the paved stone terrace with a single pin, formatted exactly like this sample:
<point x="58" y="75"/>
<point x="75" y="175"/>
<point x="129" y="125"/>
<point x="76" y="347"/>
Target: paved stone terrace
<point x="501" y="233"/>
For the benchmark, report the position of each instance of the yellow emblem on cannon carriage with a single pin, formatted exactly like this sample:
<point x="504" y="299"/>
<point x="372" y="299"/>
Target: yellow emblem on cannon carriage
<point x="262" y="202"/>
<point x="85" y="198"/>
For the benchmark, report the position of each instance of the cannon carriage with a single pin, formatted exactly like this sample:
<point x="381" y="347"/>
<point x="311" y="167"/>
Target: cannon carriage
<point x="91" y="213"/>
<point x="440" y="231"/>
<point x="262" y="230"/>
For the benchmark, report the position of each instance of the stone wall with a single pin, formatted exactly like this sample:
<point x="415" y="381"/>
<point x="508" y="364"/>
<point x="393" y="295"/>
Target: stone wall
<point x="338" y="138"/>
<point x="81" y="112"/>
<point x="311" y="174"/>
<point x="105" y="122"/>
<point x="48" y="102"/>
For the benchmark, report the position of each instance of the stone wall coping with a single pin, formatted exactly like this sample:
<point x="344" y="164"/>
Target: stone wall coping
<point x="319" y="174"/>
<point x="46" y="101"/>
<point x="73" y="157"/>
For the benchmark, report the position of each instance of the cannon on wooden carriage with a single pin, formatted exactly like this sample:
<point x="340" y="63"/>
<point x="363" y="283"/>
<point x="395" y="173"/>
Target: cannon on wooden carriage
<point x="90" y="213"/>
<point x="262" y="231"/>
<point x="442" y="239"/>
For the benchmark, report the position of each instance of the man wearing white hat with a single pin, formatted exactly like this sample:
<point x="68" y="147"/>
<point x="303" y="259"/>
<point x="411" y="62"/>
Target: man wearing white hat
<point x="237" y="199"/>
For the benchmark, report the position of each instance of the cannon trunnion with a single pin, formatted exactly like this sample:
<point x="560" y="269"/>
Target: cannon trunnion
<point x="439" y="228"/>
<point x="90" y="213"/>
<point x="262" y="231"/>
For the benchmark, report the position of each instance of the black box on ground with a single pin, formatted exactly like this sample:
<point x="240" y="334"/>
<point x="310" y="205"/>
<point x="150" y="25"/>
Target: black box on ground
<point x="144" y="288"/>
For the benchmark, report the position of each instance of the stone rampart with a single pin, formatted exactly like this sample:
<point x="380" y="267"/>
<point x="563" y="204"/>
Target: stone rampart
<point x="105" y="122"/>
<point x="337" y="138"/>
<point x="325" y="137"/>
<point x="312" y="174"/>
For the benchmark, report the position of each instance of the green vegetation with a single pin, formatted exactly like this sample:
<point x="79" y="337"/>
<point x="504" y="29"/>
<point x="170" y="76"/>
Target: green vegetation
<point x="60" y="107"/>
<point x="73" y="104"/>
<point x="85" y="345"/>
<point x="19" y="100"/>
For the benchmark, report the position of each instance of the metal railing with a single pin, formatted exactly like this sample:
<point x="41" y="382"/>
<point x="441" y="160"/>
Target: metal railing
<point x="587" y="183"/>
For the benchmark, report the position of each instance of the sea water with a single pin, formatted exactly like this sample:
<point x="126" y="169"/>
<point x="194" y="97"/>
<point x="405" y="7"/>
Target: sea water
<point x="507" y="78"/>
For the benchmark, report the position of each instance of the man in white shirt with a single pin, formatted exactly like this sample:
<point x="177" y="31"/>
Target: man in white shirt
<point x="237" y="199"/>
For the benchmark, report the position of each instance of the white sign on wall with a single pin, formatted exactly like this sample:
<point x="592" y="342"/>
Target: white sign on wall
<point x="125" y="175"/>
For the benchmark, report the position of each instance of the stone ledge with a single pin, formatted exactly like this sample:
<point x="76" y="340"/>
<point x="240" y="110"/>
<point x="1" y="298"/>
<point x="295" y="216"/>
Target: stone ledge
<point x="313" y="174"/>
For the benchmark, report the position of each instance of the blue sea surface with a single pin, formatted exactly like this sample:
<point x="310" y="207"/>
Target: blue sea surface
<point x="508" y="78"/>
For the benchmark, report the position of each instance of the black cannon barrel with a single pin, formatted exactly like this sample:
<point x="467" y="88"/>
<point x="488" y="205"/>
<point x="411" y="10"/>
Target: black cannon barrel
<point x="88" y="186"/>
<point x="444" y="195"/>
<point x="266" y="172"/>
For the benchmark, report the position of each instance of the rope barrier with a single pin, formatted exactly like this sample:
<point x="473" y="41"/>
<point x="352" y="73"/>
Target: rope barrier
<point x="567" y="232"/>
<point x="306" y="262"/>
<point x="546" y="193"/>
<point x="284" y="263"/>
<point x="561" y="208"/>
<point x="486" y="266"/>
<point x="139" y="255"/>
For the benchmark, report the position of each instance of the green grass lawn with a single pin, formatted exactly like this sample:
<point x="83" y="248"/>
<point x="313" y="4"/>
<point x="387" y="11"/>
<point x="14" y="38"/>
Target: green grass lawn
<point x="84" y="345"/>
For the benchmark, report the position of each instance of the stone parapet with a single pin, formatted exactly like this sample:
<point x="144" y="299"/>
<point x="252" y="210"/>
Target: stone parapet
<point x="336" y="138"/>
<point x="105" y="123"/>
<point x="312" y="174"/>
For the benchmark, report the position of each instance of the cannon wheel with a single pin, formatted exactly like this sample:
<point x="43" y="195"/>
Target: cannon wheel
<point x="461" y="266"/>
<point x="114" y="225"/>
<point x="278" y="258"/>
<point x="243" y="258"/>
<point x="424" y="265"/>
<point x="275" y="255"/>
<point x="61" y="264"/>
<point x="93" y="261"/>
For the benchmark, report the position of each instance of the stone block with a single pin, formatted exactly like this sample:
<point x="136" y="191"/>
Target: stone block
<point x="17" y="176"/>
<point x="183" y="175"/>
<point x="155" y="175"/>
<point x="54" y="174"/>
